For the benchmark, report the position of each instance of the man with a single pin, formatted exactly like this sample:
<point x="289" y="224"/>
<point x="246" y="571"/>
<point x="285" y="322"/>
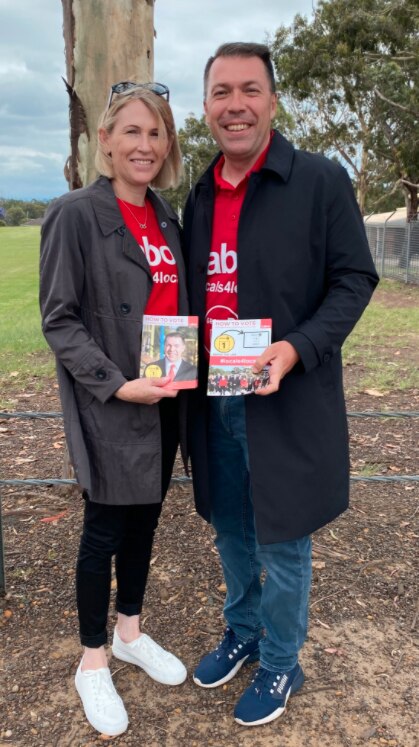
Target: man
<point x="270" y="232"/>
<point x="173" y="364"/>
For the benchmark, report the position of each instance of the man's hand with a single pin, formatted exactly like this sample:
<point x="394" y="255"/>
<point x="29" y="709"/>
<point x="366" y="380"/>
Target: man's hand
<point x="145" y="391"/>
<point x="280" y="357"/>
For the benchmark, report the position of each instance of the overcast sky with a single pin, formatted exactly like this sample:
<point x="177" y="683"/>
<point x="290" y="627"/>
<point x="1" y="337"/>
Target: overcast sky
<point x="33" y="102"/>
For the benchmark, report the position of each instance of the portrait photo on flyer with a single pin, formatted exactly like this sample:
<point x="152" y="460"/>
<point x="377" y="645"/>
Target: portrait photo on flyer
<point x="235" y="346"/>
<point x="169" y="347"/>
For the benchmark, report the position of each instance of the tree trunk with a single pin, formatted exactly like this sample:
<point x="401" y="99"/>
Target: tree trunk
<point x="362" y="187"/>
<point x="105" y="42"/>
<point x="411" y="199"/>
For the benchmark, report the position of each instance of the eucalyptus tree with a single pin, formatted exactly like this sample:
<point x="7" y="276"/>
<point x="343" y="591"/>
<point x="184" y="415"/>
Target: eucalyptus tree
<point x="349" y="76"/>
<point x="105" y="42"/>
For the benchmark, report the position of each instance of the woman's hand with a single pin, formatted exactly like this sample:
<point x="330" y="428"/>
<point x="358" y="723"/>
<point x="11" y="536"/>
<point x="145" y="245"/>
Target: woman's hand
<point x="145" y="391"/>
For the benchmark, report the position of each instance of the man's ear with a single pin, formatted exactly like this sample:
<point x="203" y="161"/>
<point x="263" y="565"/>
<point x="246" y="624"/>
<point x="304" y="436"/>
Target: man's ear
<point x="274" y="105"/>
<point x="206" y="112"/>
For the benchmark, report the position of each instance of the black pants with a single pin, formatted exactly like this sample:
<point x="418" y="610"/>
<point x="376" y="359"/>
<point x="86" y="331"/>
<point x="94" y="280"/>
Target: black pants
<point x="126" y="532"/>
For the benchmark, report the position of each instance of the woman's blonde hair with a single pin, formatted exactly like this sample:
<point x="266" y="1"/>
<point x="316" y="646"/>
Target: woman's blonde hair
<point x="171" y="172"/>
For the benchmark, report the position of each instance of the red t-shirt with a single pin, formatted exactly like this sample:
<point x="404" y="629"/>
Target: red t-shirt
<point x="163" y="298"/>
<point x="221" y="287"/>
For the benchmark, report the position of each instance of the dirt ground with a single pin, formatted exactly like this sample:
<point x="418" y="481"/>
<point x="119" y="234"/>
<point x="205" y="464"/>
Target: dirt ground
<point x="362" y="655"/>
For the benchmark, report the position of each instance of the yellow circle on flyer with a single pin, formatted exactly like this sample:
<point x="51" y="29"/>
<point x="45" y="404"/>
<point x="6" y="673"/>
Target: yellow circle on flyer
<point x="224" y="343"/>
<point x="153" y="372"/>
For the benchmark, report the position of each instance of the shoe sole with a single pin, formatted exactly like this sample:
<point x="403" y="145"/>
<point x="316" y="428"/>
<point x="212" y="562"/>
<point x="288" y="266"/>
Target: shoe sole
<point x="250" y="658"/>
<point x="296" y="685"/>
<point x="151" y="672"/>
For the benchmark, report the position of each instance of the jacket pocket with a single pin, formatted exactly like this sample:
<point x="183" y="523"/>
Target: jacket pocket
<point x="84" y="398"/>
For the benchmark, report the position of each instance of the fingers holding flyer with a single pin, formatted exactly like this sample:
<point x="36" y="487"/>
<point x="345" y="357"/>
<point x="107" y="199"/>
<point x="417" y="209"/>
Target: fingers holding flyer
<point x="280" y="358"/>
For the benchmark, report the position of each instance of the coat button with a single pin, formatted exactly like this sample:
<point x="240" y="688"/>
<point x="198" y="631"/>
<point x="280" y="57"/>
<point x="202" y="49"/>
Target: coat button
<point x="100" y="374"/>
<point x="163" y="224"/>
<point x="125" y="308"/>
<point x="326" y="357"/>
<point x="121" y="231"/>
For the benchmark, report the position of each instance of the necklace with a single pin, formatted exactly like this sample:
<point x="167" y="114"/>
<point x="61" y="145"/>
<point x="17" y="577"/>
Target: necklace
<point x="141" y="225"/>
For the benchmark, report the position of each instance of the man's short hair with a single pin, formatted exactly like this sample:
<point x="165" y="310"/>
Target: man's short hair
<point x="174" y="334"/>
<point x="243" y="49"/>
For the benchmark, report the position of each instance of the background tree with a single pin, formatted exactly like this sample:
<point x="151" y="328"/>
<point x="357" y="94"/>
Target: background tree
<point x="31" y="208"/>
<point x="198" y="149"/>
<point x="395" y="69"/>
<point x="105" y="42"/>
<point x="15" y="216"/>
<point x="331" y="70"/>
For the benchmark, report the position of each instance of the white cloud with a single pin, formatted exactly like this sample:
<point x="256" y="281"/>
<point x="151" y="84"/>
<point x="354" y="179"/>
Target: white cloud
<point x="25" y="153"/>
<point x="13" y="68"/>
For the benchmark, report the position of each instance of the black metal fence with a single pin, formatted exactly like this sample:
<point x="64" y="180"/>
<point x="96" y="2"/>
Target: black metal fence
<point x="62" y="481"/>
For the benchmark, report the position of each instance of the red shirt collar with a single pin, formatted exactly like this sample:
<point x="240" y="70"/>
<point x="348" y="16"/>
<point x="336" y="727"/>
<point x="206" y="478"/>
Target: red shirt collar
<point x="221" y="183"/>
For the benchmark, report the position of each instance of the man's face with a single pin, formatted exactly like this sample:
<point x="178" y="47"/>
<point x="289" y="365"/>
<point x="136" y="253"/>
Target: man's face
<point x="239" y="107"/>
<point x="173" y="348"/>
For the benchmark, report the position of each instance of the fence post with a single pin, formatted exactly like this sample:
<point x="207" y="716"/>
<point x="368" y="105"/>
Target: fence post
<point x="409" y="226"/>
<point x="2" y="572"/>
<point x="384" y="243"/>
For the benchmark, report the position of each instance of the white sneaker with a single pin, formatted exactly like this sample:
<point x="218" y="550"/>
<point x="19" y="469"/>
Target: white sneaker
<point x="159" y="664"/>
<point x="102" y="705"/>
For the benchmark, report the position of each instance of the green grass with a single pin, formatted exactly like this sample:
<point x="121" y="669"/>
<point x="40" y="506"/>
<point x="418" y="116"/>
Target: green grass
<point x="23" y="350"/>
<point x="385" y="342"/>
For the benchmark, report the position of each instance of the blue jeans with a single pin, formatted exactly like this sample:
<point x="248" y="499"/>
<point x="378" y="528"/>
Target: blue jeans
<point x="280" y="604"/>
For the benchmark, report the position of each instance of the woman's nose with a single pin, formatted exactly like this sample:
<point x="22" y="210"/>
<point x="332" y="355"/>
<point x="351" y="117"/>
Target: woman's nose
<point x="143" y="142"/>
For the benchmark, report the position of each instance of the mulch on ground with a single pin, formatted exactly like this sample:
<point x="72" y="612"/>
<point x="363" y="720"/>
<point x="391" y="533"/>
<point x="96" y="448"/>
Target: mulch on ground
<point x="361" y="658"/>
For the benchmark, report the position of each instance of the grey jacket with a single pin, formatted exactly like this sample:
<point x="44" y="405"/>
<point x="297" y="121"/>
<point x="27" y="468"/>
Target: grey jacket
<point x="95" y="282"/>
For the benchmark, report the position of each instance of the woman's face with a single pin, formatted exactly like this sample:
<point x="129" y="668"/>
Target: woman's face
<point x="138" y="146"/>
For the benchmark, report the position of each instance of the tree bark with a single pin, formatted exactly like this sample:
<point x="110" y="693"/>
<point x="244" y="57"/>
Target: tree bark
<point x="105" y="42"/>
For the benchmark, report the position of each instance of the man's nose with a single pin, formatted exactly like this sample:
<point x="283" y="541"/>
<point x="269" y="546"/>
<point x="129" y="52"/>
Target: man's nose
<point x="236" y="102"/>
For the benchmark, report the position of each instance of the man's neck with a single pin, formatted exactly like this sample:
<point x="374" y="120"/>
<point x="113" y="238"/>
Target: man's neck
<point x="234" y="172"/>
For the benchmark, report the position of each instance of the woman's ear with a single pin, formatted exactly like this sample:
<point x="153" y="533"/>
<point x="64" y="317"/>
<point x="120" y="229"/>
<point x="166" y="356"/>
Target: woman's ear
<point x="103" y="138"/>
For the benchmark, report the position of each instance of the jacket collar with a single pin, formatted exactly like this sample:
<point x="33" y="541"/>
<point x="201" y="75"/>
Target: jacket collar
<point x="107" y="211"/>
<point x="279" y="160"/>
<point x="280" y="156"/>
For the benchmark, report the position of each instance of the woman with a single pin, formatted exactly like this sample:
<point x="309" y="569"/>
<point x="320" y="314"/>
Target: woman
<point x="105" y="255"/>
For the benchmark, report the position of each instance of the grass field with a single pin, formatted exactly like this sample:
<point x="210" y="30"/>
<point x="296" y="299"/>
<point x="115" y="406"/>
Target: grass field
<point x="23" y="349"/>
<point x="386" y="339"/>
<point x="24" y="352"/>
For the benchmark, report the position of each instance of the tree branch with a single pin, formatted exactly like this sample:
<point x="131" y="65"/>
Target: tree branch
<point x="409" y="184"/>
<point x="394" y="103"/>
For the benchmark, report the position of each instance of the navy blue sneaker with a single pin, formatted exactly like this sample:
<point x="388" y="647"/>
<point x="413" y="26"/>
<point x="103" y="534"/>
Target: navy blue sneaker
<point x="266" y="697"/>
<point x="225" y="661"/>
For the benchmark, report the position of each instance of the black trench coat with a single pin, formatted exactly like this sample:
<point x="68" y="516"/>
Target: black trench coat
<point x="95" y="282"/>
<point x="303" y="261"/>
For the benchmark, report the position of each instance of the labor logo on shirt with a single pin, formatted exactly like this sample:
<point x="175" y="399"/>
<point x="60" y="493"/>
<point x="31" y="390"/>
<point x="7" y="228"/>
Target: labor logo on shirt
<point x="221" y="287"/>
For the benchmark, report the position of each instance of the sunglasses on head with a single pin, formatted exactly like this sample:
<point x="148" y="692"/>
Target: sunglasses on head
<point x="127" y="86"/>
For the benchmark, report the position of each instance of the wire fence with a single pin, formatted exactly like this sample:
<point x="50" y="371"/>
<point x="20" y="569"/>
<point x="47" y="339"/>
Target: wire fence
<point x="62" y="481"/>
<point x="394" y="246"/>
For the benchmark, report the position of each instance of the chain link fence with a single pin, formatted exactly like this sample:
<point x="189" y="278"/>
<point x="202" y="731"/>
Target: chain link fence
<point x="394" y="245"/>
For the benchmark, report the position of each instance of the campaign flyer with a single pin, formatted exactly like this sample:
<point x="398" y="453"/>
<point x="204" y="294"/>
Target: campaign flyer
<point x="169" y="347"/>
<point x="235" y="345"/>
